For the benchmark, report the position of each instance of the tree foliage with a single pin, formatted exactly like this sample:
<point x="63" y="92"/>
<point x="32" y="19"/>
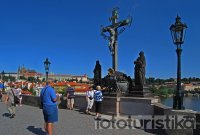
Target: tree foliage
<point x="9" y="78"/>
<point x="161" y="91"/>
<point x="152" y="80"/>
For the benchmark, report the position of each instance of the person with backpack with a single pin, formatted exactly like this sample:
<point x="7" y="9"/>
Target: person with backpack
<point x="19" y="90"/>
<point x="98" y="97"/>
<point x="50" y="110"/>
<point x="11" y="96"/>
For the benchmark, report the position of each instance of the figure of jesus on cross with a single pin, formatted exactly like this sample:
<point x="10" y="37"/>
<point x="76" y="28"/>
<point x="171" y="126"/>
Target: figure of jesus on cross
<point x="113" y="34"/>
<point x="111" y="38"/>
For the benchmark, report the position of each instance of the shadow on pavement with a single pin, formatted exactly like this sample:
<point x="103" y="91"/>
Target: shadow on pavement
<point x="6" y="115"/>
<point x="81" y="111"/>
<point x="37" y="131"/>
<point x="62" y="103"/>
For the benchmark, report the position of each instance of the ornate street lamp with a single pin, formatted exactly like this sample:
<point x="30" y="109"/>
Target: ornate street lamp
<point x="3" y="74"/>
<point x="178" y="35"/>
<point x="46" y="66"/>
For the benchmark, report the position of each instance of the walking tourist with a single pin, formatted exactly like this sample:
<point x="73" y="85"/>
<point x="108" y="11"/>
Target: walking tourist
<point x="89" y="99"/>
<point x="50" y="110"/>
<point x="9" y="100"/>
<point x="98" y="97"/>
<point x="19" y="90"/>
<point x="70" y="97"/>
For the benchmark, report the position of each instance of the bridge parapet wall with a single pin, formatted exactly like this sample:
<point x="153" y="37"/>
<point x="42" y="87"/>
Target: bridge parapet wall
<point x="124" y="106"/>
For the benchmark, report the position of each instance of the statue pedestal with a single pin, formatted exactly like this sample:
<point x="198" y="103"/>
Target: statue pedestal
<point x="140" y="91"/>
<point x="114" y="94"/>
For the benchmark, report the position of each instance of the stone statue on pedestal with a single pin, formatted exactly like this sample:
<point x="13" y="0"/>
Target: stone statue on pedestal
<point x="140" y="65"/>
<point x="97" y="74"/>
<point x="140" y="89"/>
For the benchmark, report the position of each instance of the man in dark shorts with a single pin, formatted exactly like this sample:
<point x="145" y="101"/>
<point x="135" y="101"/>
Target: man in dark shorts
<point x="50" y="110"/>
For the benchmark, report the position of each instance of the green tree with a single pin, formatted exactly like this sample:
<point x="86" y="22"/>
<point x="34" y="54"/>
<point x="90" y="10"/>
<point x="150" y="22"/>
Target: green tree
<point x="154" y="91"/>
<point x="170" y="80"/>
<point x="31" y="79"/>
<point x="22" y="78"/>
<point x="150" y="80"/>
<point x="159" y="81"/>
<point x="161" y="91"/>
<point x="38" y="79"/>
<point x="32" y="91"/>
<point x="43" y="79"/>
<point x="9" y="78"/>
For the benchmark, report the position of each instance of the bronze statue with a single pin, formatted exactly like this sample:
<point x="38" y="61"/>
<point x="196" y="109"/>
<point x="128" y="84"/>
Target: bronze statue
<point x="116" y="82"/>
<point x="97" y="74"/>
<point x="140" y="65"/>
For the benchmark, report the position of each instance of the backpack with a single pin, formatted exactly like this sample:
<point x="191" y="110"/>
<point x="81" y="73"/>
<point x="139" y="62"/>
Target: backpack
<point x="16" y="99"/>
<point x="41" y="99"/>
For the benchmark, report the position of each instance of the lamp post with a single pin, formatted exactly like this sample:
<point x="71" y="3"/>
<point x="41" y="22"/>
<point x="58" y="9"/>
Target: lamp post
<point x="46" y="66"/>
<point x="3" y="73"/>
<point x="178" y="35"/>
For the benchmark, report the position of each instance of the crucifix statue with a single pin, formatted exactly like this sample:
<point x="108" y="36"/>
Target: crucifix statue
<point x="113" y="34"/>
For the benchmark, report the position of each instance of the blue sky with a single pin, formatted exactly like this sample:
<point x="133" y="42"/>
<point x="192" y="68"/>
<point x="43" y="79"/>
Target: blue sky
<point x="68" y="33"/>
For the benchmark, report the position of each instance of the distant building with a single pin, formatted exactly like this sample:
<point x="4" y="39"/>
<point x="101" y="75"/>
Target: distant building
<point x="25" y="72"/>
<point x="83" y="78"/>
<point x="191" y="86"/>
<point x="11" y="74"/>
<point x="22" y="71"/>
<point x="196" y="86"/>
<point x="66" y="77"/>
<point x="188" y="87"/>
<point x="79" y="87"/>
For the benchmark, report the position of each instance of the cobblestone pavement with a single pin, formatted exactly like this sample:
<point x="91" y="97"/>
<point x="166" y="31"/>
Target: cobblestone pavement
<point x="29" y="121"/>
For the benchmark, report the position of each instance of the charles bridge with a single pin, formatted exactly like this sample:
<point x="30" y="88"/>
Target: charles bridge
<point x="124" y="100"/>
<point x="29" y="118"/>
<point x="29" y="121"/>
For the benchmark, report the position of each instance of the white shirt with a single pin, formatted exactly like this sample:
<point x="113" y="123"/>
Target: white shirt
<point x="90" y="93"/>
<point x="19" y="91"/>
